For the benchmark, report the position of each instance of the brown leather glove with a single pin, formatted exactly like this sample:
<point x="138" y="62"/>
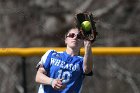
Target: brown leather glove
<point x="89" y="33"/>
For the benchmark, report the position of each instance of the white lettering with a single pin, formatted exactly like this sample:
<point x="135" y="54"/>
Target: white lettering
<point x="63" y="64"/>
<point x="66" y="66"/>
<point x="70" y="65"/>
<point x="74" y="68"/>
<point x="57" y="62"/>
<point x="52" y="61"/>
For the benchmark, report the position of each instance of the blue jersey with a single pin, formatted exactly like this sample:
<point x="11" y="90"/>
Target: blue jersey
<point x="60" y="65"/>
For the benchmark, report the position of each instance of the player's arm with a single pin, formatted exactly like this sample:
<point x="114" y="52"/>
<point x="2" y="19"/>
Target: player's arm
<point x="87" y="61"/>
<point x="42" y="78"/>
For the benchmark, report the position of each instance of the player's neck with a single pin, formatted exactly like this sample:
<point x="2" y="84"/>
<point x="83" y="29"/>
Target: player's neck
<point x="72" y="52"/>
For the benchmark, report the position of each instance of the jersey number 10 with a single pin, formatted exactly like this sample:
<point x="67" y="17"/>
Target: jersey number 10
<point x="64" y="75"/>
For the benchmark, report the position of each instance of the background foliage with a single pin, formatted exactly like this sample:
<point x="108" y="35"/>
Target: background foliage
<point x="42" y="23"/>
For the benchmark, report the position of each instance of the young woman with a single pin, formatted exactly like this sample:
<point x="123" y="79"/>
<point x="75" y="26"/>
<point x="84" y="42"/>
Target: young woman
<point x="63" y="72"/>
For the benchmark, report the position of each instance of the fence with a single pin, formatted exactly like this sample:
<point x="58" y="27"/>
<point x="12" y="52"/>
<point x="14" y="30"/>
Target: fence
<point x="39" y="51"/>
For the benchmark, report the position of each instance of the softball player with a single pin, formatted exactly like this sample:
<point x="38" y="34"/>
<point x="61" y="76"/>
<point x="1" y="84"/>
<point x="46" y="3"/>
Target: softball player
<point x="64" y="72"/>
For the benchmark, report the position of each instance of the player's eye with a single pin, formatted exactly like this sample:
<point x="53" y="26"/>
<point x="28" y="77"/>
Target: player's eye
<point x="71" y="35"/>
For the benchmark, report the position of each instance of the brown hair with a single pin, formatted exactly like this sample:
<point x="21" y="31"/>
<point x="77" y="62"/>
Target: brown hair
<point x="69" y="31"/>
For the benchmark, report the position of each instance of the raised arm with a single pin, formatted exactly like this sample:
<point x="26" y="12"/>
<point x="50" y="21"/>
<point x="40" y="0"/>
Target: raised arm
<point x="87" y="61"/>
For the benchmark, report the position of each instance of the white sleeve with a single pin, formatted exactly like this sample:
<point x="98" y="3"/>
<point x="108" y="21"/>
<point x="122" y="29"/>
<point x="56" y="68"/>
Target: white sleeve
<point x="43" y="59"/>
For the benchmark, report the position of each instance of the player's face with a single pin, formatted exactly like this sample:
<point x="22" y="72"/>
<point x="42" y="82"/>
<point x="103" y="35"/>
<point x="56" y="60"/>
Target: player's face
<point x="73" y="39"/>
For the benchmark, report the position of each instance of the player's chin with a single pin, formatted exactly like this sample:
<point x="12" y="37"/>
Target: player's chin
<point x="76" y="46"/>
<point x="73" y="46"/>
